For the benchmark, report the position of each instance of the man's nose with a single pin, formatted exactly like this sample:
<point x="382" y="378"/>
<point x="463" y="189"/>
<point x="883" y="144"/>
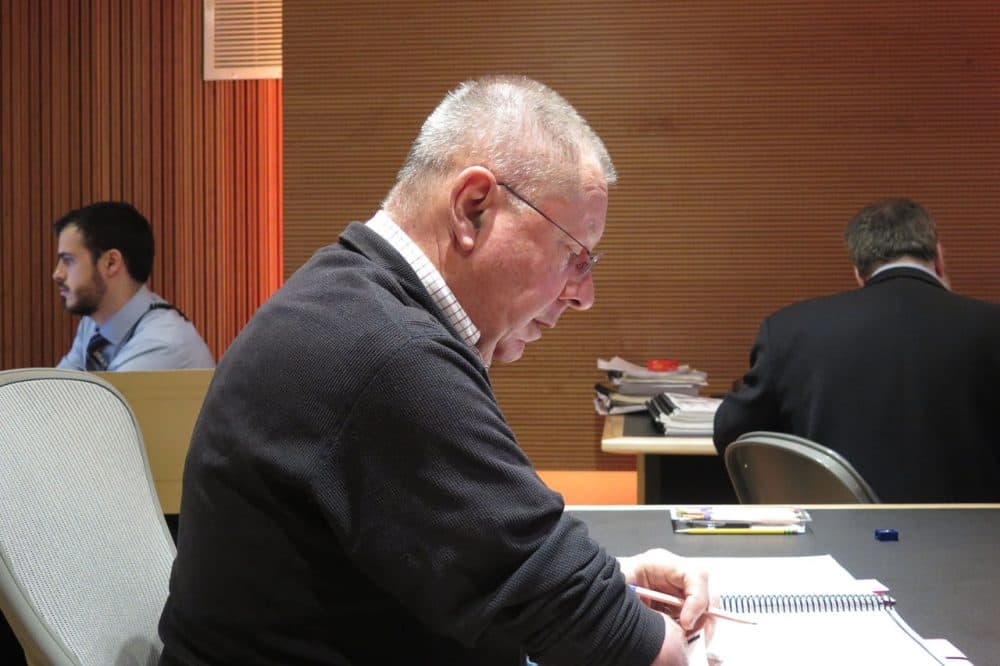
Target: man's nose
<point x="579" y="294"/>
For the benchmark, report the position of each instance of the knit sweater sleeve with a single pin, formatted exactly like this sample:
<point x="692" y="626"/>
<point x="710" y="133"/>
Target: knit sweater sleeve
<point x="429" y="494"/>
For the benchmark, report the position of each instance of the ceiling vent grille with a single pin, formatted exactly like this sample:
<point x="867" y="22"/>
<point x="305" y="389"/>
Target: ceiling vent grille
<point x="242" y="39"/>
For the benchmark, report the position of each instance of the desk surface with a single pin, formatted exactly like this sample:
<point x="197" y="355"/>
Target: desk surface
<point x="943" y="571"/>
<point x="634" y="433"/>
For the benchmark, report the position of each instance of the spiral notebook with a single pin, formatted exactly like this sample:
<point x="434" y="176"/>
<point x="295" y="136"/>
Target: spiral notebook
<point x="809" y="610"/>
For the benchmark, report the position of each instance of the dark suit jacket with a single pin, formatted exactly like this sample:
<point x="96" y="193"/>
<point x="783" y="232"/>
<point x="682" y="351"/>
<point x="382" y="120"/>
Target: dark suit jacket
<point x="902" y="377"/>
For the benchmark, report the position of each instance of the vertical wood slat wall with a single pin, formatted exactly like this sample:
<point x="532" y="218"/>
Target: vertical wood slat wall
<point x="104" y="99"/>
<point x="746" y="135"/>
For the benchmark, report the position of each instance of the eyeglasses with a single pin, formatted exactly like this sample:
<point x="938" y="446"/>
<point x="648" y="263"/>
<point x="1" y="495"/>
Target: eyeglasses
<point x="583" y="266"/>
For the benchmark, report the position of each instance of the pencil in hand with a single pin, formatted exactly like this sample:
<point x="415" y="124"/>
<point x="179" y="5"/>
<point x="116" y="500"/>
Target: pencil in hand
<point x="677" y="602"/>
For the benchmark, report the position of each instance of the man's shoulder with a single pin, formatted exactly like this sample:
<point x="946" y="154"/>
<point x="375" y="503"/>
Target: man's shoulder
<point x="163" y="319"/>
<point x="164" y="327"/>
<point x="980" y="306"/>
<point x="906" y="285"/>
<point x="361" y="280"/>
<point x="342" y="301"/>
<point x="928" y="302"/>
<point x="817" y="306"/>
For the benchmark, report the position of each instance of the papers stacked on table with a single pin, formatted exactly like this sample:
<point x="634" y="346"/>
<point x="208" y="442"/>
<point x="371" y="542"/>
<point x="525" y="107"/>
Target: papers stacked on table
<point x="808" y="610"/>
<point x="631" y="379"/>
<point x="677" y="414"/>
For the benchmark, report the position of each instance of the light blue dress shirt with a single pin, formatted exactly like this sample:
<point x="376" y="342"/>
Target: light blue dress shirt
<point x="142" y="339"/>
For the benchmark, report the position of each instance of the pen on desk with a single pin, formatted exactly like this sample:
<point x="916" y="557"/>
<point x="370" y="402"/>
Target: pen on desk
<point x="677" y="602"/>
<point x="710" y="524"/>
<point x="738" y="530"/>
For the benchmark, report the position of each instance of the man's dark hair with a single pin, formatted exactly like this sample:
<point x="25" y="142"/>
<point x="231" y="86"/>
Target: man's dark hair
<point x="887" y="230"/>
<point x="117" y="225"/>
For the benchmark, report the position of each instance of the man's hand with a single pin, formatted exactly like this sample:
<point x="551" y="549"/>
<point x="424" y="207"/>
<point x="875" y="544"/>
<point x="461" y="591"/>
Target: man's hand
<point x="659" y="569"/>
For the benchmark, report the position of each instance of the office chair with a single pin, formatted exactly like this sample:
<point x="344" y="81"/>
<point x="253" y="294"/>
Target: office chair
<point x="85" y="554"/>
<point x="777" y="468"/>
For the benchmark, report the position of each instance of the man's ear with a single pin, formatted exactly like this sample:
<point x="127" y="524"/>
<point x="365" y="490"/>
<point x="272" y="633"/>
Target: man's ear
<point x="857" y="277"/>
<point x="111" y="263"/>
<point x="940" y="268"/>
<point x="473" y="194"/>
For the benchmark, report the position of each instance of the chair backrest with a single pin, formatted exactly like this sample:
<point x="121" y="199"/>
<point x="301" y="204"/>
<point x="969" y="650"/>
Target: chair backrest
<point x="166" y="403"/>
<point x="85" y="554"/>
<point x="777" y="468"/>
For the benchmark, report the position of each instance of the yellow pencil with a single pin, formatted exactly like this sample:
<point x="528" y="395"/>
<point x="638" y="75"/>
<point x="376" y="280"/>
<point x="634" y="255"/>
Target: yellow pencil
<point x="739" y="530"/>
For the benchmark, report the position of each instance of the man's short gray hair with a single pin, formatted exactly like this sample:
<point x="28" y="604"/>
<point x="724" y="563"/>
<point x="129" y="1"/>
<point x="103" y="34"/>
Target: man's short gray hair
<point x="520" y="129"/>
<point x="887" y="230"/>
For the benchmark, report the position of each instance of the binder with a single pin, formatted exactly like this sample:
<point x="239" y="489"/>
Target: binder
<point x="805" y="603"/>
<point x="809" y="610"/>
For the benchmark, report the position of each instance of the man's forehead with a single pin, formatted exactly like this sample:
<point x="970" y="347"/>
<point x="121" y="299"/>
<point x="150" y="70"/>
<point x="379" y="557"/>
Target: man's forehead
<point x="70" y="237"/>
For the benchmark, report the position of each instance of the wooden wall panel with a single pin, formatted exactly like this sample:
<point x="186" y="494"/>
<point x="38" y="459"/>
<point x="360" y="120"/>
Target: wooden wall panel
<point x="746" y="136"/>
<point x="103" y="99"/>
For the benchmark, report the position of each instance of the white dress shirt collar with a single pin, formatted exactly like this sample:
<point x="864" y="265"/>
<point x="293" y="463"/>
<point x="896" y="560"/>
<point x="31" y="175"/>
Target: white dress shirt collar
<point x="429" y="276"/>
<point x="903" y="263"/>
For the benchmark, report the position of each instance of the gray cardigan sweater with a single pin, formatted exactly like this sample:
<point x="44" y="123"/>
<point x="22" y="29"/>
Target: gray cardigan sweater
<point x="353" y="495"/>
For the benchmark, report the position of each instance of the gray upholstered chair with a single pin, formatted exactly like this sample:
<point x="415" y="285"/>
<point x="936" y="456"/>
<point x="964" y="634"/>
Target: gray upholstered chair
<point x="85" y="554"/>
<point x="776" y="468"/>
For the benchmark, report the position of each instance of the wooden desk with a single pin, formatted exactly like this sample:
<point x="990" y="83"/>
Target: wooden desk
<point x="669" y="470"/>
<point x="166" y="404"/>
<point x="635" y="434"/>
<point x="942" y="571"/>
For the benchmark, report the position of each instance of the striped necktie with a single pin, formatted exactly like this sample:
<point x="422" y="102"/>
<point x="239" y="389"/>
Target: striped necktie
<point x="95" y="359"/>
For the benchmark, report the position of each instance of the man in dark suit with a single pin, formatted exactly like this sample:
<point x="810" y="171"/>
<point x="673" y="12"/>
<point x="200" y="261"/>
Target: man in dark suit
<point x="901" y="376"/>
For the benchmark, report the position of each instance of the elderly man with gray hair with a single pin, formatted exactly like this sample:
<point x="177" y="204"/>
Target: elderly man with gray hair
<point x="353" y="494"/>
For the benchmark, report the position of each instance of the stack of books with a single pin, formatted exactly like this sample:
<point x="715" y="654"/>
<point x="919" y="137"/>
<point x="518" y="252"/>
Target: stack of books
<point x="630" y="386"/>
<point x="676" y="414"/>
<point x="630" y="379"/>
<point x="608" y="401"/>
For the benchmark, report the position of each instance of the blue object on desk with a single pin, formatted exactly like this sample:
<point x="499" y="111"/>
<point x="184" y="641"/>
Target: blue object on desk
<point x="886" y="535"/>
